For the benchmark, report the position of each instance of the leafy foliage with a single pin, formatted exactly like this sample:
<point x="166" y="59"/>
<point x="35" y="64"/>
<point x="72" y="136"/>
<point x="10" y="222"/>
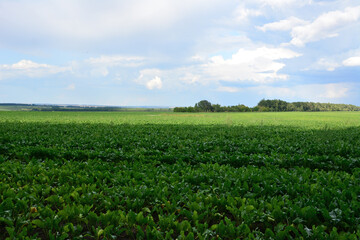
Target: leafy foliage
<point x="275" y="105"/>
<point x="121" y="175"/>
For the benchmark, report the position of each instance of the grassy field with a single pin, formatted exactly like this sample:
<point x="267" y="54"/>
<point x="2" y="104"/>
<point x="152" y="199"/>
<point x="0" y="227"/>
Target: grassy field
<point x="153" y="175"/>
<point x="309" y="120"/>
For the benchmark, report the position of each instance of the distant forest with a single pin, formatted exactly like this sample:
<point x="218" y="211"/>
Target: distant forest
<point x="275" y="105"/>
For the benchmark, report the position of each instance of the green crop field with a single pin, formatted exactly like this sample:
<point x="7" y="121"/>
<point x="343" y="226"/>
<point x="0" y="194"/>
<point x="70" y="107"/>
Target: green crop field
<point x="153" y="175"/>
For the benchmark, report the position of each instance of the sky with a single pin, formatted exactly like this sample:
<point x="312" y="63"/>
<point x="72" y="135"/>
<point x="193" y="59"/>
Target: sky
<point x="178" y="52"/>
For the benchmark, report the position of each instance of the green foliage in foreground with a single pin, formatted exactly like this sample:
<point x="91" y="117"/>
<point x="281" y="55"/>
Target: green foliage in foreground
<point x="166" y="176"/>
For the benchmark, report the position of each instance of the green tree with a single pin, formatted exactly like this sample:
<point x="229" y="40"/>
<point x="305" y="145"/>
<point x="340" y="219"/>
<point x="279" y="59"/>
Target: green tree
<point x="204" y="106"/>
<point x="217" y="108"/>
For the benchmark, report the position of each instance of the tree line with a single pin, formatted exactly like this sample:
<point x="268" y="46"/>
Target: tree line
<point x="275" y="105"/>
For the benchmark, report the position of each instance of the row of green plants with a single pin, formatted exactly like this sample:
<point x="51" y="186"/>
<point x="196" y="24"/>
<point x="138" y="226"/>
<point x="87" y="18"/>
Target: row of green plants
<point x="91" y="180"/>
<point x="285" y="147"/>
<point x="55" y="199"/>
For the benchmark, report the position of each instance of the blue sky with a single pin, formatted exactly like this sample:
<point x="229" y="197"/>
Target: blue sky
<point x="176" y="53"/>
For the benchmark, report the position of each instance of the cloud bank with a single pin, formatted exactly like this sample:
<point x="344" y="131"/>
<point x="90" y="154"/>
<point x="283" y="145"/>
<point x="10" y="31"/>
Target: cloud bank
<point x="28" y="68"/>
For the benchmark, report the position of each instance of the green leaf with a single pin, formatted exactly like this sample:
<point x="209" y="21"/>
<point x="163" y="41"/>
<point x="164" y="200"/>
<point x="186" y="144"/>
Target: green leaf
<point x="190" y="236"/>
<point x="99" y="232"/>
<point x="269" y="233"/>
<point x="140" y="233"/>
<point x="249" y="208"/>
<point x="139" y="217"/>
<point x="38" y="223"/>
<point x="6" y="221"/>
<point x="11" y="231"/>
<point x="221" y="228"/>
<point x="214" y="227"/>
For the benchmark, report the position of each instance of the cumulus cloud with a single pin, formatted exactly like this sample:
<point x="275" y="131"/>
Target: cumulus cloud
<point x="188" y="77"/>
<point x="350" y="58"/>
<point x="283" y="25"/>
<point x="352" y="61"/>
<point x="242" y="13"/>
<point x="329" y="65"/>
<point x="248" y="9"/>
<point x="24" y="64"/>
<point x="180" y="78"/>
<point x="257" y="65"/>
<point x="30" y="69"/>
<point x="326" y="25"/>
<point x="154" y="83"/>
<point x="150" y="78"/>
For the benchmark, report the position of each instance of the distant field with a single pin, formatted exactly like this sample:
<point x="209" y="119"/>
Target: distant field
<point x="309" y="120"/>
<point x="162" y="175"/>
<point x="14" y="108"/>
<point x="78" y="108"/>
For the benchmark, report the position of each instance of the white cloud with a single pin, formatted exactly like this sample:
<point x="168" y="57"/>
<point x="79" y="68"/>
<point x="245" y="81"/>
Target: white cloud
<point x="325" y="26"/>
<point x="189" y="77"/>
<point x="154" y="83"/>
<point x="103" y="65"/>
<point x="283" y="3"/>
<point x="242" y="13"/>
<point x="283" y="25"/>
<point x="352" y="61"/>
<point x="330" y="63"/>
<point x="24" y="64"/>
<point x="93" y="21"/>
<point x="116" y="60"/>
<point x="177" y="79"/>
<point x="248" y="9"/>
<point x="327" y="64"/>
<point x="258" y="65"/>
<point x="149" y="73"/>
<point x="29" y="69"/>
<point x="150" y="78"/>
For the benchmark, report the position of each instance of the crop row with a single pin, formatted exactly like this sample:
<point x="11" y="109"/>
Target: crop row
<point x="167" y="181"/>
<point x="70" y="199"/>
<point x="285" y="147"/>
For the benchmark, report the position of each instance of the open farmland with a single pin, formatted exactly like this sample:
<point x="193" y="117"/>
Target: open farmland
<point x="154" y="175"/>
